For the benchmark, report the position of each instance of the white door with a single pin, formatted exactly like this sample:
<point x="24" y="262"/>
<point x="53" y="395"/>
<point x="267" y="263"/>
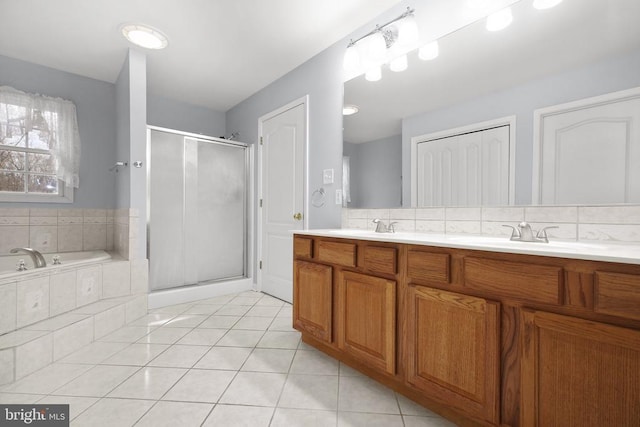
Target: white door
<point x="282" y="147"/>
<point x="589" y="151"/>
<point x="468" y="169"/>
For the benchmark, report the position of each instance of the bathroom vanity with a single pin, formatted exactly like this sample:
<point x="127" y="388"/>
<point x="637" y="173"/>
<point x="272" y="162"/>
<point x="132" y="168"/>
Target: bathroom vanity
<point x="484" y="331"/>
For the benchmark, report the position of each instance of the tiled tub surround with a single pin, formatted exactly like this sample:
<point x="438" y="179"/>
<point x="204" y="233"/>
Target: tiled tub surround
<point x="609" y="223"/>
<point x="47" y="313"/>
<point x="68" y="230"/>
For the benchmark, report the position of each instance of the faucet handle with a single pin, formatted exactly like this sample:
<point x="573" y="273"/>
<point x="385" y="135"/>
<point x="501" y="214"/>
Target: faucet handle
<point x="21" y="265"/>
<point x="515" y="233"/>
<point x="542" y="233"/>
<point x="391" y="228"/>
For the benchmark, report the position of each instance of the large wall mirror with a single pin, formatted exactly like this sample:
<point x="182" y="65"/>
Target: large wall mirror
<point x="577" y="50"/>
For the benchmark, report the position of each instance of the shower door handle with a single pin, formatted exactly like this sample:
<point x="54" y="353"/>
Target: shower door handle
<point x="297" y="216"/>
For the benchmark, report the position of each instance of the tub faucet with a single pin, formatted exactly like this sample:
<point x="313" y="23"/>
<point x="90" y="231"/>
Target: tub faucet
<point x="38" y="259"/>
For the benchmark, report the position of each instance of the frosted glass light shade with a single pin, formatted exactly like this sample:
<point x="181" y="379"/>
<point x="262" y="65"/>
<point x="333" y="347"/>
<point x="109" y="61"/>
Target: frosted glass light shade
<point x="407" y="31"/>
<point x="351" y="59"/>
<point x="376" y="47"/>
<point x="399" y="64"/>
<point x="429" y="51"/>
<point x="373" y="74"/>
<point x="144" y="36"/>
<point x="545" y="4"/>
<point x="499" y="20"/>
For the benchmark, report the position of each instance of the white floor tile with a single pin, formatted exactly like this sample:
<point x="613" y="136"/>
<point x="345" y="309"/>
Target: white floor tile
<point x="220" y="322"/>
<point x="310" y="392"/>
<point x="358" y="419"/>
<point x="362" y="394"/>
<point x="200" y="386"/>
<point x="286" y="417"/>
<point x="180" y="356"/>
<point x="263" y="311"/>
<point x="175" y="414"/>
<point x="269" y="360"/>
<point x="128" y="334"/>
<point x="239" y="416"/>
<point x="231" y="358"/>
<point x="18" y="398"/>
<point x="202" y="337"/>
<point x="314" y="363"/>
<point x="136" y="354"/>
<point x="77" y="405"/>
<point x="268" y="301"/>
<point x="282" y="324"/>
<point x="245" y="300"/>
<point x="153" y="320"/>
<point x="240" y="338"/>
<point x="280" y="339"/>
<point x="47" y="379"/>
<point x="254" y="388"/>
<point x="409" y="407"/>
<point x="148" y="383"/>
<point x="172" y="309"/>
<point x="113" y="412"/>
<point x="233" y="310"/>
<point x="253" y="323"/>
<point x="97" y="382"/>
<point x="165" y="336"/>
<point x="94" y="353"/>
<point x="186" y="320"/>
<point x="203" y="309"/>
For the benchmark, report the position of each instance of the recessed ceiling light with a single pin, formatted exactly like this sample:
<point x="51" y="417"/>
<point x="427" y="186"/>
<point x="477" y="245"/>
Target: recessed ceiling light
<point x="144" y="36"/>
<point x="349" y="109"/>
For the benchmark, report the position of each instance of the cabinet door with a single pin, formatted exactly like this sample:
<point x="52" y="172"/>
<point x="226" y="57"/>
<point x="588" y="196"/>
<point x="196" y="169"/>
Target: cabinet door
<point x="367" y="319"/>
<point x="579" y="373"/>
<point x="452" y="349"/>
<point x="312" y="298"/>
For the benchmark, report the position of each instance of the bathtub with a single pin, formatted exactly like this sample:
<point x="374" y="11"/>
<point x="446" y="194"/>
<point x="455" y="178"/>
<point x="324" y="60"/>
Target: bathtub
<point x="8" y="263"/>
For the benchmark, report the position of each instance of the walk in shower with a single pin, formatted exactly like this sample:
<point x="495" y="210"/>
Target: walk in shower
<point x="197" y="211"/>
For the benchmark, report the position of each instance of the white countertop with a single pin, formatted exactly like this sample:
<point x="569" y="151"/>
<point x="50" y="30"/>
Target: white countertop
<point x="626" y="253"/>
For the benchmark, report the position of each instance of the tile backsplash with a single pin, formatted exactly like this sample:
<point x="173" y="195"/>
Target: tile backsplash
<point x="67" y="230"/>
<point x="611" y="223"/>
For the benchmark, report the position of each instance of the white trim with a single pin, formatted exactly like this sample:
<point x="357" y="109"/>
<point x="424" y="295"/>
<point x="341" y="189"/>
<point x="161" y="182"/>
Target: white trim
<point x="162" y="298"/>
<point x="538" y="127"/>
<point x="475" y="127"/>
<point x="304" y="101"/>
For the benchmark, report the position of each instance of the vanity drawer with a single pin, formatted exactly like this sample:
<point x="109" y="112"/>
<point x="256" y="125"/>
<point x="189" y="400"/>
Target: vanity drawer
<point x="302" y="247"/>
<point x="429" y="267"/>
<point x="336" y="253"/>
<point x="617" y="294"/>
<point x="533" y="282"/>
<point x="380" y="259"/>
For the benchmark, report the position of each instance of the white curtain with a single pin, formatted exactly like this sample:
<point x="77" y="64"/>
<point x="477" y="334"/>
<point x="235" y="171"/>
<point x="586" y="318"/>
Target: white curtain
<point x="58" y="116"/>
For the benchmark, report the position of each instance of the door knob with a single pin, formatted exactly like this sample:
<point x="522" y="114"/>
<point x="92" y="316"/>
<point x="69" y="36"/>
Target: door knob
<point x="297" y="216"/>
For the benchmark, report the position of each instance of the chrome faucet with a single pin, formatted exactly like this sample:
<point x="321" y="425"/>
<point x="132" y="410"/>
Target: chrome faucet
<point x="524" y="233"/>
<point x="381" y="228"/>
<point x="38" y="259"/>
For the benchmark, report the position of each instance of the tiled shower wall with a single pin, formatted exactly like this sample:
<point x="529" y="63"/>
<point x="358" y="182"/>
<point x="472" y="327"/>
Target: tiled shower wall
<point x="609" y="223"/>
<point x="68" y="230"/>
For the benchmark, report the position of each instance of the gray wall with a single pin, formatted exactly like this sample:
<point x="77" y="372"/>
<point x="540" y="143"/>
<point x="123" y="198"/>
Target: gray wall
<point x="96" y="108"/>
<point x="614" y="74"/>
<point x="321" y="79"/>
<point x="176" y="115"/>
<point x="376" y="173"/>
<point x="123" y="141"/>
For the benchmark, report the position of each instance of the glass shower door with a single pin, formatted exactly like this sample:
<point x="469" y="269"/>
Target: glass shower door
<point x="197" y="210"/>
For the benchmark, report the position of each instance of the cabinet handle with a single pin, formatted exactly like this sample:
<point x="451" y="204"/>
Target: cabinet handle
<point x="297" y="216"/>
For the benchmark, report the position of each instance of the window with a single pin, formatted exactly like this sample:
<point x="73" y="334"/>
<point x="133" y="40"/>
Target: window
<point x="39" y="148"/>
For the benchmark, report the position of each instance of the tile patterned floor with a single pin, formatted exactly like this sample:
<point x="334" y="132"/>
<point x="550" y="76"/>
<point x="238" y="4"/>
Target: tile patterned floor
<point x="226" y="361"/>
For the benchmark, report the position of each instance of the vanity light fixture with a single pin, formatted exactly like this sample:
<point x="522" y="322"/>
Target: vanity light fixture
<point x="392" y="39"/>
<point x="499" y="20"/>
<point x="350" y="109"/>
<point x="545" y="4"/>
<point x="144" y="36"/>
<point x="399" y="64"/>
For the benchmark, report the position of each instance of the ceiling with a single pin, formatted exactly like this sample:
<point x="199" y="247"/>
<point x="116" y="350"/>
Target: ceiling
<point x="220" y="51"/>
<point x="474" y="62"/>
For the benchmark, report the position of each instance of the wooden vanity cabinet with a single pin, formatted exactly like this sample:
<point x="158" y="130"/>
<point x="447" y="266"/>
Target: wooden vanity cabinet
<point x="483" y="338"/>
<point x="453" y="349"/>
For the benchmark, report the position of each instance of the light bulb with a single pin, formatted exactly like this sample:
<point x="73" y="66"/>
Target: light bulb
<point x="545" y="4"/>
<point x="399" y="63"/>
<point x="373" y="74"/>
<point x="144" y="36"/>
<point x="429" y="51"/>
<point x="350" y="109"/>
<point x="499" y="20"/>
